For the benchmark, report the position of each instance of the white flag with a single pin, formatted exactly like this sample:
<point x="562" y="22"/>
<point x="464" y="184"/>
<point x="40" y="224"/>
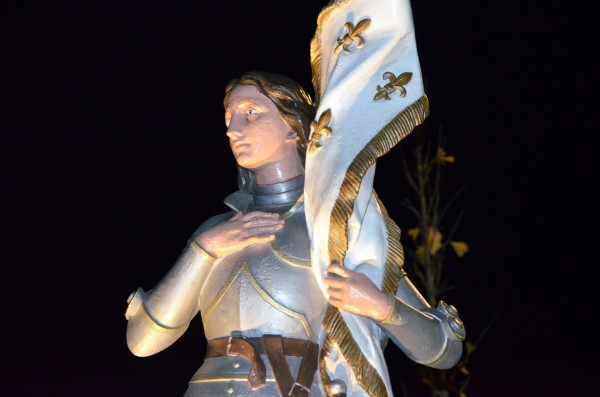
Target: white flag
<point x="370" y="95"/>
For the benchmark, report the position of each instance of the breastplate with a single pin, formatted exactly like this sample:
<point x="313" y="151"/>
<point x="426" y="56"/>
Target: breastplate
<point x="265" y="289"/>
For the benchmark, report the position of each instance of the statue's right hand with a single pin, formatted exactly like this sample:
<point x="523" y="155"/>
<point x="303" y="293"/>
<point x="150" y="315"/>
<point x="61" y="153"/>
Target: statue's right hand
<point x="241" y="231"/>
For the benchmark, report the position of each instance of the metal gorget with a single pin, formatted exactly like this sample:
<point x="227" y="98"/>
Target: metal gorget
<point x="276" y="197"/>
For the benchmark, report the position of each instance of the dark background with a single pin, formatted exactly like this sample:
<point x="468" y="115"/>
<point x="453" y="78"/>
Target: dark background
<point x="114" y="152"/>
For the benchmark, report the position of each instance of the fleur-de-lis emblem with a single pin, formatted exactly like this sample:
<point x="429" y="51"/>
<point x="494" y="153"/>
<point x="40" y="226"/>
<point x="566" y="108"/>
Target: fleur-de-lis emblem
<point x="320" y="131"/>
<point x="395" y="84"/>
<point x="352" y="36"/>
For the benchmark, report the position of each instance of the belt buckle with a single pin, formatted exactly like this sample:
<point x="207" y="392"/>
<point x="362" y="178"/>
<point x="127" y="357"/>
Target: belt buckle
<point x="300" y="385"/>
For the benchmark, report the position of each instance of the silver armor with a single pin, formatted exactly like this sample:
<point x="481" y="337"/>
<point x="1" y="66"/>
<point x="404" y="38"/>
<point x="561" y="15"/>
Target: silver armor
<point x="269" y="289"/>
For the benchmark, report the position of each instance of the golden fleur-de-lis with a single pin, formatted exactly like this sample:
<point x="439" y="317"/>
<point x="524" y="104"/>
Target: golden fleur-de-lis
<point x="352" y="36"/>
<point x="320" y="130"/>
<point x="395" y="84"/>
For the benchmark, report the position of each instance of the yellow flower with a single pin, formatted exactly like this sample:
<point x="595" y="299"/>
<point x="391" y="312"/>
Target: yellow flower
<point x="442" y="157"/>
<point x="460" y="248"/>
<point x="435" y="240"/>
<point x="414" y="233"/>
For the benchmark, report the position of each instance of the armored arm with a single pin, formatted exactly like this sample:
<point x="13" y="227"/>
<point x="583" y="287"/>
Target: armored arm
<point x="157" y="318"/>
<point x="432" y="337"/>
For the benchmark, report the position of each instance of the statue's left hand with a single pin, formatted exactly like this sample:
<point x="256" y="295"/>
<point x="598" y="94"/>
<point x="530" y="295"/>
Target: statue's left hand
<point x="354" y="292"/>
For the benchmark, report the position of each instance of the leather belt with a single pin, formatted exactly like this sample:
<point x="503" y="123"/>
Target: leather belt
<point x="276" y="348"/>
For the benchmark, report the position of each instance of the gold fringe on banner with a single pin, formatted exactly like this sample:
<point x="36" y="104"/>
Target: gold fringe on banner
<point x="395" y="257"/>
<point x="315" y="46"/>
<point x="338" y="333"/>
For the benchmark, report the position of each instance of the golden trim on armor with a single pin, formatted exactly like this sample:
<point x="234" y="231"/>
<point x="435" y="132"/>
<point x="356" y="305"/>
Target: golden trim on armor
<point x="352" y="36"/>
<point x="441" y="356"/>
<point x="200" y="251"/>
<point x="269" y="299"/>
<point x="221" y="294"/>
<point x="284" y="256"/>
<point x="223" y="378"/>
<point x="299" y="203"/>
<point x="158" y="327"/>
<point x="320" y="130"/>
<point x="263" y="294"/>
<point x="395" y="84"/>
<point x="289" y="259"/>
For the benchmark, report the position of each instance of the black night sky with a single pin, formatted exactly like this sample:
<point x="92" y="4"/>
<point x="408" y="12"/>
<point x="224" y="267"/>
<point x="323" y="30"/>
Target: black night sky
<point x="114" y="151"/>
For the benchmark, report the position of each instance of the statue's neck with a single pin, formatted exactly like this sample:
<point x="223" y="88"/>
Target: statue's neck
<point x="286" y="168"/>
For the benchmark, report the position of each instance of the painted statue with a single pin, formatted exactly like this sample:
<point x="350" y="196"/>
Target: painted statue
<point x="300" y="284"/>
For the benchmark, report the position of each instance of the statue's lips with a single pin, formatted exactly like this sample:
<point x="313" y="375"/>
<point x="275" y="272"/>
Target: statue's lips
<point x="238" y="146"/>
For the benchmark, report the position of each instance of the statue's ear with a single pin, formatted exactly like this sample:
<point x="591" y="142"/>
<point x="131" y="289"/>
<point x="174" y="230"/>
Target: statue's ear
<point x="292" y="135"/>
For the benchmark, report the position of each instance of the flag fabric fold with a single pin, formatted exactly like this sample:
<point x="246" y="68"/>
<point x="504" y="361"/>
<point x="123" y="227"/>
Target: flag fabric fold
<point x="370" y="95"/>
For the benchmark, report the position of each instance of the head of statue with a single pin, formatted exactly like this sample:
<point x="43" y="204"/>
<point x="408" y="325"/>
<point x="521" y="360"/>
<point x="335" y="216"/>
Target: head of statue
<point x="268" y="118"/>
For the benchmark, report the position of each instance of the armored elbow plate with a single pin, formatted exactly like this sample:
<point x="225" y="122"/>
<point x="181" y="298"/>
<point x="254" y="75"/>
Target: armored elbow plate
<point x="453" y="320"/>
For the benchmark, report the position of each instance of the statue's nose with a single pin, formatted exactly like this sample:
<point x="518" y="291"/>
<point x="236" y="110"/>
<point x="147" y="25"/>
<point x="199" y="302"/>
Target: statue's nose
<point x="234" y="133"/>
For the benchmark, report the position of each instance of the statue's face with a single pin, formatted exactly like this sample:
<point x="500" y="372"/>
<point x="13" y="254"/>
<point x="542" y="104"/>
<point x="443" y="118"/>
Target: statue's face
<point x="257" y="133"/>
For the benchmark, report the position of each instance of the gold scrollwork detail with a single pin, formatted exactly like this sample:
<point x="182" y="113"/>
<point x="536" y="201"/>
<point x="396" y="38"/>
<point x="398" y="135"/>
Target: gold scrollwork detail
<point x="270" y="300"/>
<point x="320" y="131"/>
<point x="395" y="84"/>
<point x="224" y="378"/>
<point x="352" y="36"/>
<point x="289" y="259"/>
